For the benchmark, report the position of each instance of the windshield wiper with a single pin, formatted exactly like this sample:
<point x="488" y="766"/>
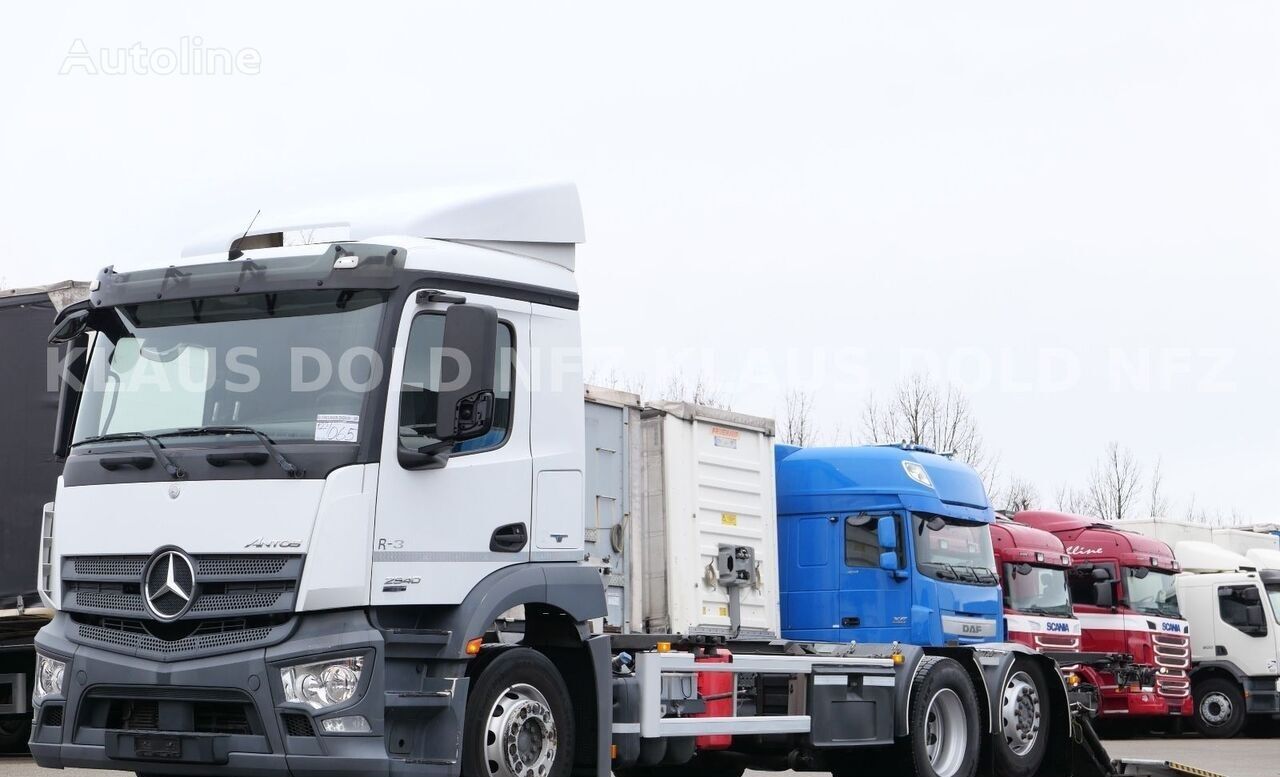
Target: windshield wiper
<point x="950" y="571"/>
<point x="152" y="441"/>
<point x="289" y="467"/>
<point x="1043" y="611"/>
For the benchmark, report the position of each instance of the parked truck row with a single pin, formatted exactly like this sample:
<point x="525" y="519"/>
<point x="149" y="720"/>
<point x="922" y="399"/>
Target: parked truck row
<point x="333" y="507"/>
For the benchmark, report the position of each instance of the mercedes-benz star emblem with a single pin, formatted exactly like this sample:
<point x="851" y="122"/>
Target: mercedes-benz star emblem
<point x="169" y="584"/>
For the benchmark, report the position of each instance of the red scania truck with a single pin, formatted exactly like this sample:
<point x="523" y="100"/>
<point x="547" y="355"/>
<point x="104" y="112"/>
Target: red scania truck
<point x="1122" y="590"/>
<point x="1037" y="601"/>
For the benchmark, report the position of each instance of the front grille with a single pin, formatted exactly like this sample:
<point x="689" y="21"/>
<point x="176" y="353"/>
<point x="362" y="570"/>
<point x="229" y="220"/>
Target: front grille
<point x="209" y="636"/>
<point x="297" y="725"/>
<point x="1173" y="657"/>
<point x="146" y="708"/>
<point x="110" y="566"/>
<point x="240" y="601"/>
<point x="240" y="566"/>
<point x="1052" y="642"/>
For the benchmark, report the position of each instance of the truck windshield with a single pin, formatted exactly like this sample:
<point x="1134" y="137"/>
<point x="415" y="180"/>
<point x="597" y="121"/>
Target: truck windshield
<point x="1036" y="590"/>
<point x="294" y="365"/>
<point x="1273" y="593"/>
<point x="953" y="550"/>
<point x="1151" y="592"/>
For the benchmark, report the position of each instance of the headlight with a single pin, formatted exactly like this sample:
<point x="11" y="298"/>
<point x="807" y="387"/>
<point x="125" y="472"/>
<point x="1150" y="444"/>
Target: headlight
<point x="49" y="675"/>
<point x="322" y="684"/>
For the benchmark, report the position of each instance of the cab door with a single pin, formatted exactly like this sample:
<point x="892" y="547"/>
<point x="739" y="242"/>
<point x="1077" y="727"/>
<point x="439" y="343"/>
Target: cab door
<point x="440" y="531"/>
<point x="1242" y="632"/>
<point x="874" y="604"/>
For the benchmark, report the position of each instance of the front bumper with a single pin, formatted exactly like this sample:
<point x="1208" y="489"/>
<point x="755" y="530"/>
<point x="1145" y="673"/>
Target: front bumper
<point x="1262" y="695"/>
<point x="1139" y="703"/>
<point x="225" y="712"/>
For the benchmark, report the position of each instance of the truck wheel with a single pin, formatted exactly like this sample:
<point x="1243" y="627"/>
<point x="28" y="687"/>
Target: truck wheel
<point x="14" y="733"/>
<point x="1023" y="738"/>
<point x="1220" y="709"/>
<point x="519" y="720"/>
<point x="943" y="718"/>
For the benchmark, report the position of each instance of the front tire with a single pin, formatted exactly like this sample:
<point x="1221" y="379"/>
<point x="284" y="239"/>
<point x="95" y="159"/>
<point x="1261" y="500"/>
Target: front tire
<point x="1023" y="736"/>
<point x="943" y="720"/>
<point x="519" y="719"/>
<point x="1219" y="708"/>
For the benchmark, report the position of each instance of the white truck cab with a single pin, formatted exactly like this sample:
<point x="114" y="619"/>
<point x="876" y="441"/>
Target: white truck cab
<point x="1233" y="605"/>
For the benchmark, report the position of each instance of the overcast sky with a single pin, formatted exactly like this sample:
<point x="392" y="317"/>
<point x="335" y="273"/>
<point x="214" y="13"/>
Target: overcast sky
<point x="1070" y="213"/>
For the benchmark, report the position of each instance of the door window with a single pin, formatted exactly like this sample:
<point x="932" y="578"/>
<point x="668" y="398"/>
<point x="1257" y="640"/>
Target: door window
<point x="1240" y="607"/>
<point x="421" y="384"/>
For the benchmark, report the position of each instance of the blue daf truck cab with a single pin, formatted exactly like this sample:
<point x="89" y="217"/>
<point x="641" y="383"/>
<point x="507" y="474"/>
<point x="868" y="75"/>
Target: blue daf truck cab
<point x="882" y="543"/>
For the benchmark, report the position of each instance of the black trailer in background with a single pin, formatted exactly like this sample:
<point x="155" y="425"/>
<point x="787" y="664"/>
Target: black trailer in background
<point x="28" y="475"/>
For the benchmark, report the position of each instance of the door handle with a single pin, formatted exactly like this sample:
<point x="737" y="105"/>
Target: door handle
<point x="509" y="539"/>
<point x="850" y="622"/>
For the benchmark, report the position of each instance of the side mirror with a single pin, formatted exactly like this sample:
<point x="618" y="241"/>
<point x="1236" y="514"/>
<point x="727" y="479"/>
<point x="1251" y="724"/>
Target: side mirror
<point x="465" y="403"/>
<point x="1104" y="595"/>
<point x="1254" y="619"/>
<point x="889" y="561"/>
<point x="71" y="326"/>
<point x="1101" y="573"/>
<point x="887" y="533"/>
<point x="70" y="388"/>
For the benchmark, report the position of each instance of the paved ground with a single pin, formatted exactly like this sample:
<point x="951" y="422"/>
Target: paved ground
<point x="1235" y="758"/>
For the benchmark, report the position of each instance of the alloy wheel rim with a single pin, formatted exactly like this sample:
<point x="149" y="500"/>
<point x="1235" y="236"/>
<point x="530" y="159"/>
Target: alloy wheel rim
<point x="520" y="734"/>
<point x="1020" y="713"/>
<point x="945" y="733"/>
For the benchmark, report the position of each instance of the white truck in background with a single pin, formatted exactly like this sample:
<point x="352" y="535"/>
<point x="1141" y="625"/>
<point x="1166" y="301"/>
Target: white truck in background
<point x="1233" y="604"/>
<point x="337" y="508"/>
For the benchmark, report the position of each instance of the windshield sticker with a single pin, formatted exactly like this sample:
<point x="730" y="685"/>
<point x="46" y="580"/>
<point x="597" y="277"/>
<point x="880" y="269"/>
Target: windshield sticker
<point x="337" y="428"/>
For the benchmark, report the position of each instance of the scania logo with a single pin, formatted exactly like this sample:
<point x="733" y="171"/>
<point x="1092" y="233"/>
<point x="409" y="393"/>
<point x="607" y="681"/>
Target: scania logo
<point x="1057" y="626"/>
<point x="169" y="584"/>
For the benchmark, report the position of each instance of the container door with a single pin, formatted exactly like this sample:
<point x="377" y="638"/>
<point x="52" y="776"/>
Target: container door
<point x="606" y="505"/>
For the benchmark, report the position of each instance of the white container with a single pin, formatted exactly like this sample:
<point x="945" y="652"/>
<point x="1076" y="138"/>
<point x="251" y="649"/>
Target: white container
<point x="1171" y="532"/>
<point x="708" y="481"/>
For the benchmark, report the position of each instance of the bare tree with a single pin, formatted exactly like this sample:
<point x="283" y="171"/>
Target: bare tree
<point x="797" y="419"/>
<point x="922" y="412"/>
<point x="1112" y="491"/>
<point x="1071" y="500"/>
<point x="1021" y="495"/>
<point x="613" y="379"/>
<point x="1159" y="502"/>
<point x="700" y="393"/>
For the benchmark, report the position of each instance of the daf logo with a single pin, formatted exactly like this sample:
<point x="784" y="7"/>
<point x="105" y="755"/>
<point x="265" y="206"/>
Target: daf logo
<point x="971" y="628"/>
<point x="169" y="584"/>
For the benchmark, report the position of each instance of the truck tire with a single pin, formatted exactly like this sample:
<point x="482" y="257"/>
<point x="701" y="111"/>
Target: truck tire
<point x="943" y="721"/>
<point x="1022" y="737"/>
<point x="1219" y="708"/>
<point x="14" y="733"/>
<point x="519" y="719"/>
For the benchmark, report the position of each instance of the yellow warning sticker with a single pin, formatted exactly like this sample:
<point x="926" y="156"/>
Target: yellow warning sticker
<point x="729" y="519"/>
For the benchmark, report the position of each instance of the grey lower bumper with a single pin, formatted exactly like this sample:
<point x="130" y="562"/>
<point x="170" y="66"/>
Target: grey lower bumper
<point x="186" y="735"/>
<point x="1262" y="696"/>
